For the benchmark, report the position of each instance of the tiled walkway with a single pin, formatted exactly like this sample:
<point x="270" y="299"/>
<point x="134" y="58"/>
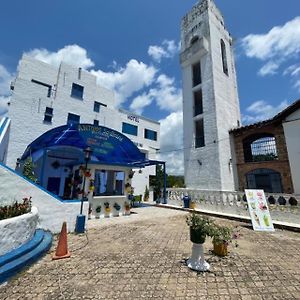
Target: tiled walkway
<point x="143" y="257"/>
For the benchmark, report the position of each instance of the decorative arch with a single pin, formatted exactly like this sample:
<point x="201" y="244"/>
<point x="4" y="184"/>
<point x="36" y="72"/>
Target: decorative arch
<point x="268" y="180"/>
<point x="260" y="147"/>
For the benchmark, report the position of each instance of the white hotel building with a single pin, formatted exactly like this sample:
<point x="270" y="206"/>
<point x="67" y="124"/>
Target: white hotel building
<point x="45" y="97"/>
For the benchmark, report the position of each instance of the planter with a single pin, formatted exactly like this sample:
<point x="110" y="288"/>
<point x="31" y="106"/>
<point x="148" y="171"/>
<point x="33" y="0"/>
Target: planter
<point x="192" y="205"/>
<point x="197" y="236"/>
<point x="220" y="249"/>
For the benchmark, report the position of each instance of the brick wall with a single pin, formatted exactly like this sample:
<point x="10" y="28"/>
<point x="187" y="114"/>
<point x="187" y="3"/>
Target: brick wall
<point x="281" y="165"/>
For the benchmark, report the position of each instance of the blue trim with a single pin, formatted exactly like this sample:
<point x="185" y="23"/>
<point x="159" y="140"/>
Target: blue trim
<point x="11" y="268"/>
<point x="38" y="186"/>
<point x="6" y="120"/>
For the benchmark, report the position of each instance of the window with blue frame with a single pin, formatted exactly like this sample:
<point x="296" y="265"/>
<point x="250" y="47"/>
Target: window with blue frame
<point x="150" y="135"/>
<point x="48" y="115"/>
<point x="96" y="122"/>
<point x="97" y="106"/>
<point x="73" y="119"/>
<point x="129" y="129"/>
<point x="77" y="91"/>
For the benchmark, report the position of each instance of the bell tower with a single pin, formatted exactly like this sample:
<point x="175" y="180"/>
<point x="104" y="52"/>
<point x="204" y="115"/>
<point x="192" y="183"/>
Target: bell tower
<point x="210" y="98"/>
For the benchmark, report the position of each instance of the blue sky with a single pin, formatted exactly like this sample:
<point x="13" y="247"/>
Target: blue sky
<point x="132" y="47"/>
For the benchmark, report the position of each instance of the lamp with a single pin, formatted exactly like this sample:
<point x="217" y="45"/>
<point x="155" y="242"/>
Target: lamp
<point x="80" y="221"/>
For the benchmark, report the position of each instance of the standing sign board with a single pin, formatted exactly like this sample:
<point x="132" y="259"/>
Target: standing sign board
<point x="259" y="211"/>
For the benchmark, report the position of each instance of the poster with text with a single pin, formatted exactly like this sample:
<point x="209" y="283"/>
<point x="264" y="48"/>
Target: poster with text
<point x="259" y="211"/>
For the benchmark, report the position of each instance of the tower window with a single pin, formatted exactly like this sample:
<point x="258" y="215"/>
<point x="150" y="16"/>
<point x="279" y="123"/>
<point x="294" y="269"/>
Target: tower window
<point x="224" y="58"/>
<point x="97" y="106"/>
<point x="96" y="122"/>
<point x="73" y="119"/>
<point x="194" y="40"/>
<point x="196" y="74"/>
<point x="77" y="91"/>
<point x="199" y="134"/>
<point x="198" y="104"/>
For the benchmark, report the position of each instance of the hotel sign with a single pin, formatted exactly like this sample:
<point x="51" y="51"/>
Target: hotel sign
<point x="133" y="118"/>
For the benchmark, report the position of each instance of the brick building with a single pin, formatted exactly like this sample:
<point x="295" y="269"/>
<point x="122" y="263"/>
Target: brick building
<point x="266" y="154"/>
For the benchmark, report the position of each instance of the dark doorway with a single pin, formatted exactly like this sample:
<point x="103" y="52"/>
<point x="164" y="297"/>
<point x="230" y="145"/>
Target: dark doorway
<point x="53" y="185"/>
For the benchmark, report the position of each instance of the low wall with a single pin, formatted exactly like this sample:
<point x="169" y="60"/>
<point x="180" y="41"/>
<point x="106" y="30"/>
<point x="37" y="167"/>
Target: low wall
<point x="16" y="231"/>
<point x="100" y="200"/>
<point x="283" y="207"/>
<point x="52" y="211"/>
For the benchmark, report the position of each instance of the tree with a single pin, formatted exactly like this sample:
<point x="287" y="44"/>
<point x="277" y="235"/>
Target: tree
<point x="157" y="182"/>
<point x="28" y="170"/>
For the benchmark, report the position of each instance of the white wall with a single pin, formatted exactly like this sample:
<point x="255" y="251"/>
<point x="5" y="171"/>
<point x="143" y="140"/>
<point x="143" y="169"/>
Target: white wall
<point x="4" y="138"/>
<point x="52" y="212"/>
<point x="16" y="231"/>
<point x="291" y="128"/>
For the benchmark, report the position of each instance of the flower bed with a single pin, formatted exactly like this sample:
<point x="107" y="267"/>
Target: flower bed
<point x="16" y="209"/>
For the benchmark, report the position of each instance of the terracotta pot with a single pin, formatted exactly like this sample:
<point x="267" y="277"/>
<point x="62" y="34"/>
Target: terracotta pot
<point x="192" y="205"/>
<point x="220" y="249"/>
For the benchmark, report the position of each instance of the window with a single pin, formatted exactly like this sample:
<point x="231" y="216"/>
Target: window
<point x="129" y="129"/>
<point x="150" y="135"/>
<point x="224" y="58"/>
<point x="260" y="147"/>
<point x="73" y="119"/>
<point x="198" y="105"/>
<point x="109" y="183"/>
<point x="199" y="136"/>
<point x="77" y="91"/>
<point x="96" y="122"/>
<point x="45" y="85"/>
<point x="196" y="74"/>
<point x="97" y="106"/>
<point x="48" y="115"/>
<point x="194" y="40"/>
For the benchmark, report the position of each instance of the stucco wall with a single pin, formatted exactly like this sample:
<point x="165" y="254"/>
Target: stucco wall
<point x="52" y="212"/>
<point x="14" y="232"/>
<point x="291" y="132"/>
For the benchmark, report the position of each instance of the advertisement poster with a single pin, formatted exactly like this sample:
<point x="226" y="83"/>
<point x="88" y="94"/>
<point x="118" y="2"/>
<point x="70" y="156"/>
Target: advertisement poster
<point x="259" y="211"/>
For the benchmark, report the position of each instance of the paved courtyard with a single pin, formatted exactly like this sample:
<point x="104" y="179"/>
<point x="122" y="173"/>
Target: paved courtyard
<point x="143" y="257"/>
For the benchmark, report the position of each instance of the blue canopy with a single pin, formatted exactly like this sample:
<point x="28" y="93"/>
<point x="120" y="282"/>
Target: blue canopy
<point x="109" y="146"/>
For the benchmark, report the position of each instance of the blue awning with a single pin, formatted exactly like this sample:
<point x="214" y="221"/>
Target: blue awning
<point x="109" y="146"/>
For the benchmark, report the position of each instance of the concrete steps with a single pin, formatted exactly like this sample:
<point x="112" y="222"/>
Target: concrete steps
<point x="14" y="261"/>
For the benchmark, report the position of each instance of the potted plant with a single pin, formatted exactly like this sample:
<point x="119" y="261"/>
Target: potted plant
<point x="192" y="204"/>
<point x="222" y="236"/>
<point x="200" y="227"/>
<point x="127" y="208"/>
<point x="128" y="187"/>
<point x="107" y="209"/>
<point x="146" y="194"/>
<point x="117" y="208"/>
<point x="98" y="211"/>
<point x="92" y="185"/>
<point x="131" y="173"/>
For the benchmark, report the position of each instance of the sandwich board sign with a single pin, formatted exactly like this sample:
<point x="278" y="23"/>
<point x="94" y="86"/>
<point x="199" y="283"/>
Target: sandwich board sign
<point x="259" y="211"/>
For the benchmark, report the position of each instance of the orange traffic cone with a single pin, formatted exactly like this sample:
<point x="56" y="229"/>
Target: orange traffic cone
<point x="62" y="246"/>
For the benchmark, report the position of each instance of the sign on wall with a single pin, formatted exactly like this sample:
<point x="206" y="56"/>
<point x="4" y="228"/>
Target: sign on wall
<point x="259" y="211"/>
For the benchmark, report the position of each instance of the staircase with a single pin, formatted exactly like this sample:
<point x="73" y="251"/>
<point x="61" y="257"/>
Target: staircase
<point x="25" y="255"/>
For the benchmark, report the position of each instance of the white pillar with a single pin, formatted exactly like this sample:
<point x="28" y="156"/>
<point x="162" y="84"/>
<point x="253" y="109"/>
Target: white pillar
<point x="196" y="261"/>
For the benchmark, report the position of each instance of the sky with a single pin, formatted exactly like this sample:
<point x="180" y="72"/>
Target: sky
<point x="133" y="48"/>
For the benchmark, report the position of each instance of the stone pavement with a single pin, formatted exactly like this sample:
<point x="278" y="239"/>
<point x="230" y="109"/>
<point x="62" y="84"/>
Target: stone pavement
<point x="143" y="257"/>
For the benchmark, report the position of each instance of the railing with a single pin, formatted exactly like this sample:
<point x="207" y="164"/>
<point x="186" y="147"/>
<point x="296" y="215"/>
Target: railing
<point x="283" y="207"/>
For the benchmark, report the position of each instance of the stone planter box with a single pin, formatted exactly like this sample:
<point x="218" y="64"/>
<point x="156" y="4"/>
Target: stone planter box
<point x="16" y="231"/>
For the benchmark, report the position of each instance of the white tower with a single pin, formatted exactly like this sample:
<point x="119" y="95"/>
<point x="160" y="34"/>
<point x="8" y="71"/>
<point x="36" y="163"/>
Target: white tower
<point x="210" y="98"/>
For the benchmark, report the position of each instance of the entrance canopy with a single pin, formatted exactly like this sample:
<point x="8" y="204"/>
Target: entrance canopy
<point x="109" y="146"/>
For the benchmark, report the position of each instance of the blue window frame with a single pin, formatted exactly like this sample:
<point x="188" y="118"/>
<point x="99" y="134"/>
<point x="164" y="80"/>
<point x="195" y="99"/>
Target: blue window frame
<point x="77" y="91"/>
<point x="129" y="129"/>
<point x="48" y="115"/>
<point x="96" y="122"/>
<point x="97" y="106"/>
<point x="150" y="135"/>
<point x="73" y="119"/>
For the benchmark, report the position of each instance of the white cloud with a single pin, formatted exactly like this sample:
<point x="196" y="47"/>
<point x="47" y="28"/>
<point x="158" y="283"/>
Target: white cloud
<point x="70" y="54"/>
<point x="293" y="70"/>
<point x="269" y="68"/>
<point x="261" y="110"/>
<point x="297" y="85"/>
<point x="168" y="49"/>
<point x="279" y="41"/>
<point x="3" y="105"/>
<point x="171" y="138"/>
<point x="140" y="102"/>
<point x="126" y="81"/>
<point x="5" y="80"/>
